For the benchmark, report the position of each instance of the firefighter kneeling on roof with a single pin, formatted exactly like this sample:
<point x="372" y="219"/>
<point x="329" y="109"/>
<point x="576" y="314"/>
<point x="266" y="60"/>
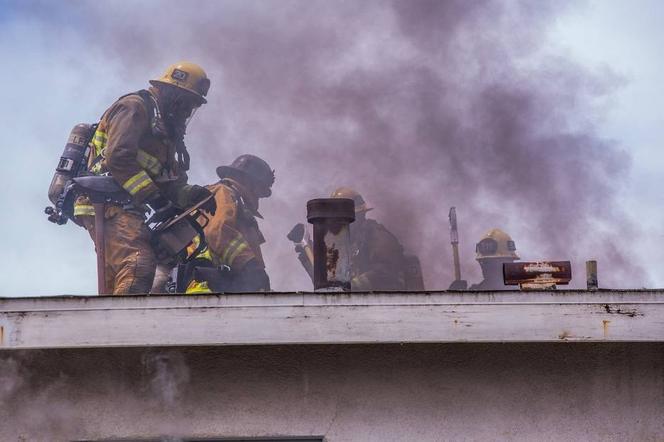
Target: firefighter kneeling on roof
<point x="378" y="261"/>
<point x="233" y="261"/>
<point x="140" y="143"/>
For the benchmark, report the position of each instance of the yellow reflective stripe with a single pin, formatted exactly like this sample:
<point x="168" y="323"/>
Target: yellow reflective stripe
<point x="99" y="141"/>
<point x="148" y="162"/>
<point x="191" y="248"/>
<point x="235" y="247"/>
<point x="196" y="287"/>
<point x="101" y="135"/>
<point x="239" y="250"/>
<point x="136" y="183"/>
<point x="230" y="249"/>
<point x="205" y="254"/>
<point x="84" y="210"/>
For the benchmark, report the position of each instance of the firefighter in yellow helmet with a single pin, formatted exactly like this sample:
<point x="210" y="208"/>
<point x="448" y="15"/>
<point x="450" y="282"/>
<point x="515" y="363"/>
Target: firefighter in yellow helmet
<point x="233" y="260"/>
<point x="492" y="251"/>
<point x="139" y="141"/>
<point x="378" y="261"/>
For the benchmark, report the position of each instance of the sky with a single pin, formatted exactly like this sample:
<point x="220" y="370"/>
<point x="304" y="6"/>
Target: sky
<point x="626" y="37"/>
<point x="66" y="62"/>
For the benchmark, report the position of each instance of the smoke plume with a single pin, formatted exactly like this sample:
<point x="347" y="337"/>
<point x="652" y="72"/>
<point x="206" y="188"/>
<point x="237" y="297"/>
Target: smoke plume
<point x="38" y="404"/>
<point x="168" y="376"/>
<point x="37" y="407"/>
<point x="420" y="105"/>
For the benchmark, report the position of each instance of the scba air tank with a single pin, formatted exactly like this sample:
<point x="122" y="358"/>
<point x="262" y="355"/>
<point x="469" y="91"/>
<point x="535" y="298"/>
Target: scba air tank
<point x="73" y="159"/>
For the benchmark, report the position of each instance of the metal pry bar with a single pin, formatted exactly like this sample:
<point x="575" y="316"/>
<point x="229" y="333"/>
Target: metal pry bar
<point x="454" y="240"/>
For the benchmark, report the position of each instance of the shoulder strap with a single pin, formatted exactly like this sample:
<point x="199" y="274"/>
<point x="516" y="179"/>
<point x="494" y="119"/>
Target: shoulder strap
<point x="158" y="128"/>
<point x="148" y="102"/>
<point x="149" y="108"/>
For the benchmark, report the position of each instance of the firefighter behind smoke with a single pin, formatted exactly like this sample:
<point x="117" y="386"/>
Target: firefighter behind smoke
<point x="233" y="256"/>
<point x="377" y="258"/>
<point x="140" y="143"/>
<point x="494" y="249"/>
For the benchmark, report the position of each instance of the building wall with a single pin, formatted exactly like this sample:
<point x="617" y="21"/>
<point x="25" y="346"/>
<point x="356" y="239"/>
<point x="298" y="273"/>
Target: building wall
<point x="421" y="392"/>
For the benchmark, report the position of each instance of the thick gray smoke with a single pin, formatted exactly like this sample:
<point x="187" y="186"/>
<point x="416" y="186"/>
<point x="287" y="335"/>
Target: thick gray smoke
<point x="37" y="407"/>
<point x="37" y="402"/>
<point x="420" y="105"/>
<point x="167" y="375"/>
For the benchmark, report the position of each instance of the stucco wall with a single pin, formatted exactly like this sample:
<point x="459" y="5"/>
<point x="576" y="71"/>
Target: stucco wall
<point x="423" y="392"/>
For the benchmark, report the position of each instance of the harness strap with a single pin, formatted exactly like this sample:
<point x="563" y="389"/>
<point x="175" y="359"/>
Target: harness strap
<point x="150" y="108"/>
<point x="157" y="127"/>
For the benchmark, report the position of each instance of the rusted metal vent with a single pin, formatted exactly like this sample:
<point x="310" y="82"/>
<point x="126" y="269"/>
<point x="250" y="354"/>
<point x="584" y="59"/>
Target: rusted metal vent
<point x="538" y="275"/>
<point x="331" y="218"/>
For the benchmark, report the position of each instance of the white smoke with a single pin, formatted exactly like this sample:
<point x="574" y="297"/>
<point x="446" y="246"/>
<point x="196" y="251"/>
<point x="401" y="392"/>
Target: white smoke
<point x="38" y="408"/>
<point x="168" y="377"/>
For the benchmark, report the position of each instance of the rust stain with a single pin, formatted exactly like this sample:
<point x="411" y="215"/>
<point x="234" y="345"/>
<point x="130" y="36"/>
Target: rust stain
<point x="605" y="325"/>
<point x="2" y="335"/>
<point x="332" y="258"/>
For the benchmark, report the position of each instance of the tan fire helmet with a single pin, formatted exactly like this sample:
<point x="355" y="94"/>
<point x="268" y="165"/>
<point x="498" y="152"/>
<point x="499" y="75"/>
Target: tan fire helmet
<point x="187" y="76"/>
<point x="496" y="244"/>
<point x="347" y="192"/>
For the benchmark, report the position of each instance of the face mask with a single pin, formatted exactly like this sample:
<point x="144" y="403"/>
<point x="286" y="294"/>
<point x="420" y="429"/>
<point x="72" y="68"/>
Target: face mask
<point x="178" y="110"/>
<point x="179" y="107"/>
<point x="190" y="117"/>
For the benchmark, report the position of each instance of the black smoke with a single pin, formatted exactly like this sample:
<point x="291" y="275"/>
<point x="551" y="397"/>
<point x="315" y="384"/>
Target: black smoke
<point x="420" y="105"/>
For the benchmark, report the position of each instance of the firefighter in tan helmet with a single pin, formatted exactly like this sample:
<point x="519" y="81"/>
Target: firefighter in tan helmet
<point x="139" y="141"/>
<point x="494" y="249"/>
<point x="378" y="261"/>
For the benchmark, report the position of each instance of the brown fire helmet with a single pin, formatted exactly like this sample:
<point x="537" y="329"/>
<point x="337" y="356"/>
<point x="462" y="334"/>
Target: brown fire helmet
<point x="252" y="168"/>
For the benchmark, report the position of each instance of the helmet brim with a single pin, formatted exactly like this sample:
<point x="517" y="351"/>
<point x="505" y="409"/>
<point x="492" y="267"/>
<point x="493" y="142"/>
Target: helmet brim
<point x="191" y="91"/>
<point x="229" y="172"/>
<point x="232" y="172"/>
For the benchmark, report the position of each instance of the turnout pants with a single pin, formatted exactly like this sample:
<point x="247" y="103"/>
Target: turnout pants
<point x="130" y="260"/>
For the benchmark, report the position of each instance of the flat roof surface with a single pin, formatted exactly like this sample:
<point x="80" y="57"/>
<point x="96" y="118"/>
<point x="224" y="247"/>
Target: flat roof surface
<point x="331" y="318"/>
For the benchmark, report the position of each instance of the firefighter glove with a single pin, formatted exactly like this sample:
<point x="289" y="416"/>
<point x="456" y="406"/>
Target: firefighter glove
<point x="163" y="210"/>
<point x="198" y="194"/>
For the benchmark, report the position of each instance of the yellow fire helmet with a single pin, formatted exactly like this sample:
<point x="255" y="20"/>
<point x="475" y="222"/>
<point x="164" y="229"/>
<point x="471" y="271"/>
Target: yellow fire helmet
<point x="188" y="76"/>
<point x="347" y="192"/>
<point x="495" y="244"/>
